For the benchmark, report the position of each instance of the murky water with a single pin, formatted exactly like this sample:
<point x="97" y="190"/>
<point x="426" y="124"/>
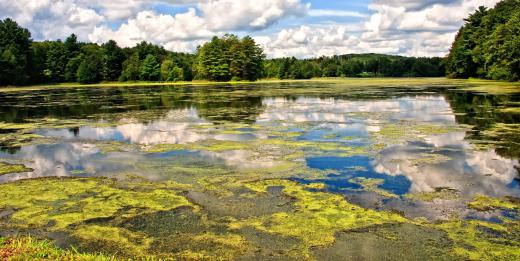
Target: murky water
<point x="423" y="152"/>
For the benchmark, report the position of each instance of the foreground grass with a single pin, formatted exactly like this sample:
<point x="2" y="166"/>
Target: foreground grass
<point x="30" y="248"/>
<point x="357" y="82"/>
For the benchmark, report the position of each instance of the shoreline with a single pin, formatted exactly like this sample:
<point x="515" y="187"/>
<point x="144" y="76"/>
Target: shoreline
<point x="379" y="81"/>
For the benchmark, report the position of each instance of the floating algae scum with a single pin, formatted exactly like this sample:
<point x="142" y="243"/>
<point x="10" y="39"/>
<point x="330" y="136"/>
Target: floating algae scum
<point x="312" y="170"/>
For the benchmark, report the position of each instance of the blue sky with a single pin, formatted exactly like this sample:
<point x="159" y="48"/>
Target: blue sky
<point x="301" y="28"/>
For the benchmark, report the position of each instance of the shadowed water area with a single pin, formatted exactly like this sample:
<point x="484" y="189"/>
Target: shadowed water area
<point x="264" y="171"/>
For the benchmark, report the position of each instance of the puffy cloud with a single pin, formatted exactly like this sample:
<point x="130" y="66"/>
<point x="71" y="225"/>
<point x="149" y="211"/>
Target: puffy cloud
<point x="332" y="12"/>
<point x="51" y="19"/>
<point x="181" y="32"/>
<point x="396" y="15"/>
<point x="403" y="27"/>
<point x="184" y="31"/>
<point x="223" y="15"/>
<point x="313" y="41"/>
<point x="124" y="9"/>
<point x="415" y="4"/>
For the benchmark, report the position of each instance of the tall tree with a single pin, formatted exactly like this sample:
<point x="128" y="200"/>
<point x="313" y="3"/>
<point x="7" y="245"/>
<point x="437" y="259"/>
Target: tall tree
<point x="254" y="57"/>
<point x="150" y="69"/>
<point x="170" y="72"/>
<point x="486" y="46"/>
<point x="229" y="57"/>
<point x="14" y="52"/>
<point x="56" y="61"/>
<point x="113" y="58"/>
<point x="131" y="68"/>
<point x="72" y="47"/>
<point x="90" y="68"/>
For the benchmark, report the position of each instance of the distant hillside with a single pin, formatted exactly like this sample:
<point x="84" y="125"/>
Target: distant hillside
<point x="488" y="45"/>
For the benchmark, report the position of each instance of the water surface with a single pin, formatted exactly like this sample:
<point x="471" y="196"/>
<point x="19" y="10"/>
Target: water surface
<point x="429" y="150"/>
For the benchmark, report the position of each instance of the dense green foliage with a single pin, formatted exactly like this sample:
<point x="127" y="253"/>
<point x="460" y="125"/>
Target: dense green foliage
<point x="354" y="65"/>
<point x="14" y="52"/>
<point x="228" y="58"/>
<point x="488" y="45"/>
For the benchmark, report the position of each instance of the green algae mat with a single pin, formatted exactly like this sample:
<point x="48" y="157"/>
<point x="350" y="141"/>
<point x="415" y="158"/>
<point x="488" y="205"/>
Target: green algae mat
<point x="376" y="169"/>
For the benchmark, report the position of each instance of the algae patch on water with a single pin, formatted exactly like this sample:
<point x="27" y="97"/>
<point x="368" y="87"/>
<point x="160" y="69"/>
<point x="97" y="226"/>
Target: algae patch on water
<point x="6" y="168"/>
<point x="441" y="193"/>
<point x="481" y="240"/>
<point x="485" y="203"/>
<point x="389" y="242"/>
<point x="66" y="205"/>
<point x="373" y="186"/>
<point x="317" y="215"/>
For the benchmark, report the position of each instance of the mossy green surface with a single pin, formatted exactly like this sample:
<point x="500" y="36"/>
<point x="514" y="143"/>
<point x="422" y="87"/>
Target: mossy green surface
<point x="69" y="201"/>
<point x="210" y="199"/>
<point x="405" y="131"/>
<point x="135" y="218"/>
<point x="481" y="240"/>
<point x="513" y="110"/>
<point x="6" y="168"/>
<point x="438" y="193"/>
<point x="389" y="242"/>
<point x="264" y="146"/>
<point x="317" y="215"/>
<point x="485" y="203"/>
<point x="373" y="186"/>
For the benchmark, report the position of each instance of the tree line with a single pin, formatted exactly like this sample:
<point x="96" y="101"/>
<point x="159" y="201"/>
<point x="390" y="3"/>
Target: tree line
<point x="354" y="65"/>
<point x="488" y="45"/>
<point x="227" y="58"/>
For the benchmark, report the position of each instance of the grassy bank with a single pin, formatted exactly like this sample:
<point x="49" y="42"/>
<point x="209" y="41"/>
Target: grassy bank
<point x="30" y="248"/>
<point x="471" y="84"/>
<point x="353" y="81"/>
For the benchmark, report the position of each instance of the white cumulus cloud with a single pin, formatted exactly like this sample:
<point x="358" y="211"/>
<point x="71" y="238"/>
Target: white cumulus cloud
<point x="405" y="27"/>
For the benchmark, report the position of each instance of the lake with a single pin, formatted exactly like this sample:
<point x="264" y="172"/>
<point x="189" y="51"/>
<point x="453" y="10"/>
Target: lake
<point x="296" y="170"/>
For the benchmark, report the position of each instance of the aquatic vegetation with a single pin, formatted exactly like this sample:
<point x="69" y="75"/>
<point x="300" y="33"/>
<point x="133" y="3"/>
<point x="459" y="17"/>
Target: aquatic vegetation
<point x="114" y="146"/>
<point x="6" y="168"/>
<point x="429" y="158"/>
<point x="109" y="239"/>
<point x="16" y="126"/>
<point x="30" y="248"/>
<point x="514" y="110"/>
<point x="405" y="131"/>
<point x="503" y="137"/>
<point x="330" y="136"/>
<point x="18" y="138"/>
<point x="481" y="240"/>
<point x="373" y="186"/>
<point x="485" y="203"/>
<point x="491" y="87"/>
<point x="208" y="145"/>
<point x="439" y="193"/>
<point x="262" y="145"/>
<point x="389" y="242"/>
<point x="64" y="202"/>
<point x="222" y="189"/>
<point x="317" y="215"/>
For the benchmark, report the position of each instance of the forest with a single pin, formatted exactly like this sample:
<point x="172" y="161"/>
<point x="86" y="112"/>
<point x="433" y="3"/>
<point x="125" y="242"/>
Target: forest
<point x="227" y="58"/>
<point x="488" y="45"/>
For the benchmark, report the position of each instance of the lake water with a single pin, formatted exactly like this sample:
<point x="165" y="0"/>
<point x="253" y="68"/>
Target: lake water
<point x="428" y="154"/>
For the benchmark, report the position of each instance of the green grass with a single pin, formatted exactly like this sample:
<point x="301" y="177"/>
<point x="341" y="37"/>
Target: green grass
<point x="351" y="81"/>
<point x="478" y="85"/>
<point x="30" y="248"/>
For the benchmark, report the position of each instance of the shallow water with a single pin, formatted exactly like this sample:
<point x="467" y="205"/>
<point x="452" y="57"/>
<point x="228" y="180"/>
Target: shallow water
<point x="422" y="152"/>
